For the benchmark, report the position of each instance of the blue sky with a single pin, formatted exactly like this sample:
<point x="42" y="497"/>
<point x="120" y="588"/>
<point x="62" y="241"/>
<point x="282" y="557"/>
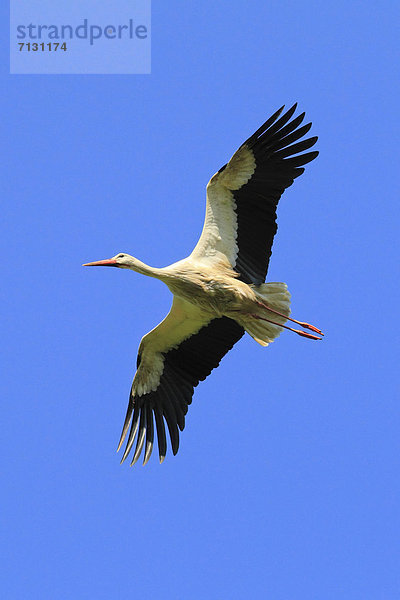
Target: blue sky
<point x="286" y="484"/>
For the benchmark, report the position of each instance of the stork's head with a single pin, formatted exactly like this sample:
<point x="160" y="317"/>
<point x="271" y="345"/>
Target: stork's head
<point x="124" y="261"/>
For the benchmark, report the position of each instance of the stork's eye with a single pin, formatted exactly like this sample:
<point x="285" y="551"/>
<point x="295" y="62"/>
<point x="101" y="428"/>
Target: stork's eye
<point x="120" y="255"/>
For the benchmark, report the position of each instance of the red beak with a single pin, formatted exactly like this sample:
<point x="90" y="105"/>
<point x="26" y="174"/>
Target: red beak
<point x="110" y="262"/>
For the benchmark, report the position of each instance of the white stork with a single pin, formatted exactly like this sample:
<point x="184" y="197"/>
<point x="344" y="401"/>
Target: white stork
<point x="219" y="290"/>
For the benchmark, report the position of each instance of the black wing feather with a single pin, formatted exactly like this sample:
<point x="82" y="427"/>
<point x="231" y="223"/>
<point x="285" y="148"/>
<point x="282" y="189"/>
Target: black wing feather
<point x="149" y="435"/>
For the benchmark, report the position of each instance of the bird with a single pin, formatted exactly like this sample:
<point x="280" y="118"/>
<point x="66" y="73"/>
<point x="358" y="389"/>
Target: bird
<point x="219" y="290"/>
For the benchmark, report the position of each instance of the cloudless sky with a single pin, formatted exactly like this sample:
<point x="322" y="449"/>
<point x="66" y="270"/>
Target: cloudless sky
<point x="286" y="484"/>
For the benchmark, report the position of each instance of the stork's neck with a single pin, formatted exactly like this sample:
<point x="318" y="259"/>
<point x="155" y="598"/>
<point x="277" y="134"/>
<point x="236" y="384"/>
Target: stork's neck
<point x="140" y="267"/>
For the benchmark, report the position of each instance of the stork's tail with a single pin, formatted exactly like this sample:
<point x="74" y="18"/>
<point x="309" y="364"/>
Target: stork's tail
<point x="277" y="297"/>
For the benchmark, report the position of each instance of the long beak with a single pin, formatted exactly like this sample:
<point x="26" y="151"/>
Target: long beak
<point x="109" y="262"/>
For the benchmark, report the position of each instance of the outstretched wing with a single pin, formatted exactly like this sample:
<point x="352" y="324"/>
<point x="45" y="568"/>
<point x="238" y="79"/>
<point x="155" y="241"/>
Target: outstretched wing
<point x="181" y="351"/>
<point x="242" y="197"/>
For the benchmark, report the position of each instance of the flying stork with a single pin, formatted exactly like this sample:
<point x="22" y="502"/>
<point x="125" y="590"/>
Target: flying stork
<point x="219" y="290"/>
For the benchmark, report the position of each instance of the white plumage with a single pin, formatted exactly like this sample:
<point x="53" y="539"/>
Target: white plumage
<point x="219" y="290"/>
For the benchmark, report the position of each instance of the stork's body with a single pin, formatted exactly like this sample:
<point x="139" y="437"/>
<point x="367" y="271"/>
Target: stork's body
<point x="215" y="290"/>
<point x="219" y="290"/>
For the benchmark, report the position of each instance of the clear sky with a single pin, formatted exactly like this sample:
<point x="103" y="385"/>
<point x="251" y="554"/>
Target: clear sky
<point x="286" y="484"/>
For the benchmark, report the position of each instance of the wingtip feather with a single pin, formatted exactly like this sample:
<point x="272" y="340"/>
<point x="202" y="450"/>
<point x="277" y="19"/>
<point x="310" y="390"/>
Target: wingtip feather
<point x="141" y="436"/>
<point x="149" y="436"/>
<point x="132" y="433"/>
<point x="127" y="421"/>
